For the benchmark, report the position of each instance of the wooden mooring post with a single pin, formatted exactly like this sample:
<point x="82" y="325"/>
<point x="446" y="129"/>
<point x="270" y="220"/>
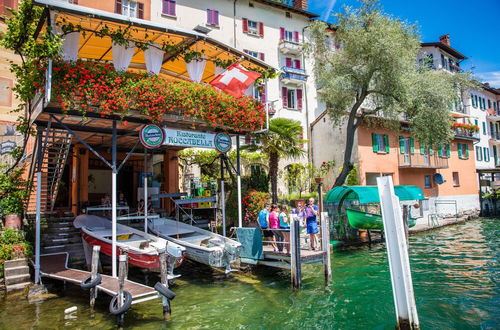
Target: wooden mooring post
<point x="167" y="310"/>
<point x="325" y="244"/>
<point x="295" y="262"/>
<point x="122" y="276"/>
<point x="93" y="273"/>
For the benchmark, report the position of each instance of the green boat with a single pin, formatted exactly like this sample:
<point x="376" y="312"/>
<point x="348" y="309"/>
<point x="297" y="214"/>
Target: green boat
<point x="364" y="220"/>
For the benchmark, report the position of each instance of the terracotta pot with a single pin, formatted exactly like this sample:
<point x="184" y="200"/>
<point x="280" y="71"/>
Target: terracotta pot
<point x="13" y="221"/>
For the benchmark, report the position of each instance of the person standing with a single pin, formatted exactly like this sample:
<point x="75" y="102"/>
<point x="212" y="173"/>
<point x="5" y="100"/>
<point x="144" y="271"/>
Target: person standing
<point x="263" y="218"/>
<point x="274" y="223"/>
<point x="311" y="212"/>
<point x="285" y="227"/>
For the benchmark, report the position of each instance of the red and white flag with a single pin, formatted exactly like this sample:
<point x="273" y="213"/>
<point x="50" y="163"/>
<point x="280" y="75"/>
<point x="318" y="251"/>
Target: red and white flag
<point x="235" y="80"/>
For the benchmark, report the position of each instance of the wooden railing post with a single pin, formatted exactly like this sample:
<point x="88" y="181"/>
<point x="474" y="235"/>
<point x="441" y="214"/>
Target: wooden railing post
<point x="93" y="273"/>
<point x="295" y="265"/>
<point x="167" y="311"/>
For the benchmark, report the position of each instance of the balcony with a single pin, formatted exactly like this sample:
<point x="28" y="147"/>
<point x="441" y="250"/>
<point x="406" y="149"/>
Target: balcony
<point x="495" y="137"/>
<point x="466" y="132"/>
<point x="293" y="76"/>
<point x="418" y="160"/>
<point x="290" y="47"/>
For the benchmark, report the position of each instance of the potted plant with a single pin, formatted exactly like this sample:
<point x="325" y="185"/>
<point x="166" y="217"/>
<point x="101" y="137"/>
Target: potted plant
<point x="12" y="194"/>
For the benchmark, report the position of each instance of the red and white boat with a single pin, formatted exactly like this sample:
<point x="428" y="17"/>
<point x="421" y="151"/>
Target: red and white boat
<point x="143" y="249"/>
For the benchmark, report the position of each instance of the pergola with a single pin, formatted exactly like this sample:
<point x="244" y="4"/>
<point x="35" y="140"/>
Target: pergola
<point x="113" y="131"/>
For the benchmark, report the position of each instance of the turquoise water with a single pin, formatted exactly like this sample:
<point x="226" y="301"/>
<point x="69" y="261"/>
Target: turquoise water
<point x="455" y="274"/>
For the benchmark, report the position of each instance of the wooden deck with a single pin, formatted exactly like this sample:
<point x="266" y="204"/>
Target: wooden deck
<point x="55" y="266"/>
<point x="282" y="259"/>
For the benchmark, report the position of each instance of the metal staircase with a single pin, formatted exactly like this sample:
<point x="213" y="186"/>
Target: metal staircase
<point x="55" y="145"/>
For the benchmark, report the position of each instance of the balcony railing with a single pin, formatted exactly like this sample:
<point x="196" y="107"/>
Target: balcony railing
<point x="495" y="136"/>
<point x="466" y="134"/>
<point x="293" y="75"/>
<point x="418" y="160"/>
<point x="290" y="47"/>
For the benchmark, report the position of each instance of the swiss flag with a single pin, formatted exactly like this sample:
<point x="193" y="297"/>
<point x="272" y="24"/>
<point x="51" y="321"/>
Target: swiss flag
<point x="235" y="80"/>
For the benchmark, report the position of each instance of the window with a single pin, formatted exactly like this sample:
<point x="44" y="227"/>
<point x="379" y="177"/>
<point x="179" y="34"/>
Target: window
<point x="484" y="128"/>
<point x="427" y="181"/>
<point x="380" y="143"/>
<point x="256" y="169"/>
<point x="292" y="98"/>
<point x="168" y="7"/>
<point x="463" y="150"/>
<point x="212" y="17"/>
<point x="456" y="179"/>
<point x="253" y="27"/>
<point x="475" y="98"/>
<point x="479" y="154"/>
<point x="129" y="8"/>
<point x="495" y="155"/>
<point x="486" y="151"/>
<point x="252" y="53"/>
<point x="287" y="35"/>
<point x="292" y="63"/>
<point x="489" y="104"/>
<point x="427" y="61"/>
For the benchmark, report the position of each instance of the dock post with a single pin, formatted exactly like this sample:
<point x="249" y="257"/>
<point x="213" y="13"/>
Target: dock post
<point x="325" y="244"/>
<point x="295" y="265"/>
<point x="122" y="276"/>
<point x="167" y="310"/>
<point x="93" y="274"/>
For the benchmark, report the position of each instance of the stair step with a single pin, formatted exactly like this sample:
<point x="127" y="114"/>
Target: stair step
<point x="16" y="279"/>
<point x="15" y="263"/>
<point x="17" y="287"/>
<point x="20" y="270"/>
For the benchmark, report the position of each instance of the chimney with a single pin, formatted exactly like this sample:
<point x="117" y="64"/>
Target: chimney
<point x="445" y="39"/>
<point x="300" y="4"/>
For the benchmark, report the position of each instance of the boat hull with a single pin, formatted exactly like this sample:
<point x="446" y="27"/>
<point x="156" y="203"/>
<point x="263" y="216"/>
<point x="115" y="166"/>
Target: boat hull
<point x="364" y="220"/>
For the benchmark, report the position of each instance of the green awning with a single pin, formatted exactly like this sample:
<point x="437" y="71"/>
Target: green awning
<point x="369" y="194"/>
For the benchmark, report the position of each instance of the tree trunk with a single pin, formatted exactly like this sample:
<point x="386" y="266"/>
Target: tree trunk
<point x="273" y="175"/>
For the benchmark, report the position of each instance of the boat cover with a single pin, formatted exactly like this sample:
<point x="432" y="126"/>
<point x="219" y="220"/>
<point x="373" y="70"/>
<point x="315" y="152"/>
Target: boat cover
<point x="91" y="221"/>
<point x="251" y="241"/>
<point x="369" y="194"/>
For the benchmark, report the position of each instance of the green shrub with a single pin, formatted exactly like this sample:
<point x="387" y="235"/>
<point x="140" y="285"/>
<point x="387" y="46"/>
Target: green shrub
<point x="12" y="193"/>
<point x="11" y="240"/>
<point x="258" y="180"/>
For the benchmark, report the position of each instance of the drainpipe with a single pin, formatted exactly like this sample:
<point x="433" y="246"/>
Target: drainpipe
<point x="234" y="23"/>
<point x="308" y="129"/>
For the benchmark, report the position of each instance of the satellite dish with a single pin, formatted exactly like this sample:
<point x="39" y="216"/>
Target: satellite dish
<point x="438" y="178"/>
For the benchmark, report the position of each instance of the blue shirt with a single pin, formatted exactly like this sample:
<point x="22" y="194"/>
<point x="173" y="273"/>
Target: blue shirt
<point x="263" y="215"/>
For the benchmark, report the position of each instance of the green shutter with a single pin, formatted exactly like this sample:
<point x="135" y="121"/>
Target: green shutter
<point x="422" y="148"/>
<point x="402" y="144"/>
<point x="431" y="150"/>
<point x="485" y="157"/>
<point x="374" y="142"/>
<point x="459" y="148"/>
<point x="467" y="151"/>
<point x="386" y="142"/>
<point x="412" y="145"/>
<point x="448" y="150"/>
<point x="484" y="128"/>
<point x="440" y="150"/>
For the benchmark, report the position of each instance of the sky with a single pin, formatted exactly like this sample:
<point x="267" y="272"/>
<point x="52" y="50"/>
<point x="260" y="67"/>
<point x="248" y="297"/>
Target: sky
<point x="473" y="26"/>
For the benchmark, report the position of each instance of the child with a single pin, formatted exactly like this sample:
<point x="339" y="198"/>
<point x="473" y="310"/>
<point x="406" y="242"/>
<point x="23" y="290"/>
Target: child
<point x="285" y="225"/>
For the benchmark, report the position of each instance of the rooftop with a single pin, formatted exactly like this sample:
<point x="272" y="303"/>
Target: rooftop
<point x="450" y="50"/>
<point x="281" y="5"/>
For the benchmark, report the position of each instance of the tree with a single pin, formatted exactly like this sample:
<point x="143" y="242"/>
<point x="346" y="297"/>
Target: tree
<point x="372" y="72"/>
<point x="282" y="140"/>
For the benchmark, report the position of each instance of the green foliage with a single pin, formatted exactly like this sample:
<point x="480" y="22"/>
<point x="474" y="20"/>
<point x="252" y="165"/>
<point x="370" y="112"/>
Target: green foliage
<point x="353" y="177"/>
<point x="300" y="178"/>
<point x="257" y="180"/>
<point x="12" y="192"/>
<point x="12" y="241"/>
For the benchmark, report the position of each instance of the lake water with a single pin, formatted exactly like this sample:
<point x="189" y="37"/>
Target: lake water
<point x="455" y="275"/>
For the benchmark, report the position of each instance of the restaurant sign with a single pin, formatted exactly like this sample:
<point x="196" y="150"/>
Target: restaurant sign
<point x="152" y="136"/>
<point x="179" y="138"/>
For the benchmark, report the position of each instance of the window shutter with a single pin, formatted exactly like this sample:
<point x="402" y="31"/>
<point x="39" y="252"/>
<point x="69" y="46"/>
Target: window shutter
<point x="210" y="19"/>
<point x="245" y="25"/>
<point x="485" y="151"/>
<point x="164" y="8"/>
<point x="466" y="151"/>
<point x="431" y="150"/>
<point x="484" y="128"/>
<point x="299" y="99"/>
<point x="284" y="98"/>
<point x="440" y="150"/>
<point x="459" y="148"/>
<point x="478" y="153"/>
<point x="297" y="64"/>
<point x="386" y="142"/>
<point x="261" y="56"/>
<point x="215" y="17"/>
<point x="172" y="7"/>
<point x="374" y="142"/>
<point x="282" y="33"/>
<point x="118" y="6"/>
<point x="448" y="150"/>
<point x="422" y="148"/>
<point x="412" y="145"/>
<point x="261" y="29"/>
<point x="140" y="10"/>
<point x="263" y="94"/>
<point x="288" y="62"/>
<point x="296" y="36"/>
<point x="402" y="144"/>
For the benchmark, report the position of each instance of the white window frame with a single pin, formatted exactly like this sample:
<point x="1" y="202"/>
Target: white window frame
<point x="253" y="53"/>
<point x="289" y="36"/>
<point x="253" y="29"/>
<point x="127" y="6"/>
<point x="292" y="103"/>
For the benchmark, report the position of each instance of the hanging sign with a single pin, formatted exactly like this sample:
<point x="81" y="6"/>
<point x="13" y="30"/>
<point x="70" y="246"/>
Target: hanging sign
<point x="152" y="136"/>
<point x="223" y="142"/>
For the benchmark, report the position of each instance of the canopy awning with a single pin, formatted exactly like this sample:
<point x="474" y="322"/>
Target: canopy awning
<point x="369" y="194"/>
<point x="95" y="45"/>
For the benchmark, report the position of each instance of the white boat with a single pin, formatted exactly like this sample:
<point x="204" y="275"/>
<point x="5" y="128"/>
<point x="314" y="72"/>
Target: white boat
<point x="201" y="245"/>
<point x="143" y="249"/>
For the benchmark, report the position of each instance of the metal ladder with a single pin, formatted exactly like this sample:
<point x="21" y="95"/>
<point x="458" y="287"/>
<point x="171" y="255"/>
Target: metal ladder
<point x="55" y="146"/>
